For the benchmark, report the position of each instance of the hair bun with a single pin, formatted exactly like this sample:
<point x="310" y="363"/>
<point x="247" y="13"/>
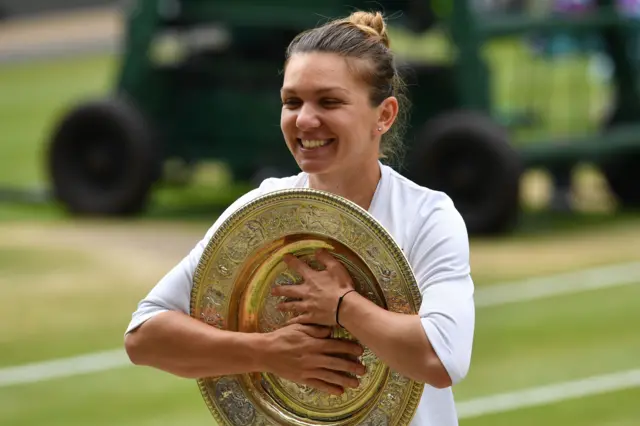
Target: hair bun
<point x="372" y="23"/>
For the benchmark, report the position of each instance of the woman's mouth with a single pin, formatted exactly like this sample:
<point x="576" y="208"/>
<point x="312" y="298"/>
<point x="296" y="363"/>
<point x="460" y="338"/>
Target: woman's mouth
<point x="314" y="143"/>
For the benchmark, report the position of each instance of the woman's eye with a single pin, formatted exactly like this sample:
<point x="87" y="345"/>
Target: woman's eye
<point x="331" y="102"/>
<point x="291" y="102"/>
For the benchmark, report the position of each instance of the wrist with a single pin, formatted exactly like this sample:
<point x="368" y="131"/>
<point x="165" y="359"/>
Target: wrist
<point x="342" y="301"/>
<point x="258" y="345"/>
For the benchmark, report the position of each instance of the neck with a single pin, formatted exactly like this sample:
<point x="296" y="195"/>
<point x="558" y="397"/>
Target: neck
<point x="356" y="184"/>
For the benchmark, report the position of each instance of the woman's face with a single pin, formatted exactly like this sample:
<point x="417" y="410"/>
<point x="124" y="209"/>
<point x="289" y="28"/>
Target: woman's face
<point x="327" y="119"/>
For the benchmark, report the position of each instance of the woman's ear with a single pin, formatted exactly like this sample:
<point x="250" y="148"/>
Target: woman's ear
<point x="387" y="114"/>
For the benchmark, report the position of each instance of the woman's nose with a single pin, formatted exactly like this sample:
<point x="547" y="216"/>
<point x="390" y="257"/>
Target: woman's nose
<point x="307" y="118"/>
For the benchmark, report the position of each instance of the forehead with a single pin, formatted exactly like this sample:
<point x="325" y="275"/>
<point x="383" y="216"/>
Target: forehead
<point x="319" y="72"/>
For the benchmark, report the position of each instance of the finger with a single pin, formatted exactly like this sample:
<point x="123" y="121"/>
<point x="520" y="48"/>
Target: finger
<point x="326" y="258"/>
<point x="298" y="265"/>
<point x="304" y="319"/>
<point x="316" y="331"/>
<point x="342" y="365"/>
<point x="334" y="378"/>
<point x="290" y="291"/>
<point x="331" y="263"/>
<point x="335" y="346"/>
<point x="324" y="386"/>
<point x="299" y="307"/>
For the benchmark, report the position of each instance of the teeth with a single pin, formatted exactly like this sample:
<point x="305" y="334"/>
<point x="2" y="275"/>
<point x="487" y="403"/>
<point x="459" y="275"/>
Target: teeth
<point x="314" y="143"/>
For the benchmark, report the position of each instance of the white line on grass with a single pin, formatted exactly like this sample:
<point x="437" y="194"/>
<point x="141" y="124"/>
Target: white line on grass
<point x="526" y="290"/>
<point x="555" y="285"/>
<point x="543" y="395"/>
<point x="65" y="367"/>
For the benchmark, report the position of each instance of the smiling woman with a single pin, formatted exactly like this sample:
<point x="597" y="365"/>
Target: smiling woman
<point x="342" y="106"/>
<point x="332" y="129"/>
<point x="343" y="100"/>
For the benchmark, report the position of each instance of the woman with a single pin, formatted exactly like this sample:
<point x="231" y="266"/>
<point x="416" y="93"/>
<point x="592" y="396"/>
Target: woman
<point x="341" y="100"/>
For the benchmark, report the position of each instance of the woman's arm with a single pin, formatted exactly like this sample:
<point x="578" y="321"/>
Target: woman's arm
<point x="433" y="346"/>
<point x="399" y="340"/>
<point x="178" y="344"/>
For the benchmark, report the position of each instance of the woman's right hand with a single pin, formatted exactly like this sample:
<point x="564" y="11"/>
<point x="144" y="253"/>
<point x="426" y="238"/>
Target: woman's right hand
<point x="303" y="354"/>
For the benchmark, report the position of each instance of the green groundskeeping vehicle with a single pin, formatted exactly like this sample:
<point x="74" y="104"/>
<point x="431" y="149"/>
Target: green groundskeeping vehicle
<point x="200" y="79"/>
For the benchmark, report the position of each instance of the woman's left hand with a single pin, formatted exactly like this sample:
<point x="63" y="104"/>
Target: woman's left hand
<point x="319" y="292"/>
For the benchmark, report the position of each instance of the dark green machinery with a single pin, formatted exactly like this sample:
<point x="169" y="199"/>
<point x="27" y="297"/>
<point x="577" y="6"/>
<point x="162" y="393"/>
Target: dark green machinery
<point x="476" y="151"/>
<point x="200" y="80"/>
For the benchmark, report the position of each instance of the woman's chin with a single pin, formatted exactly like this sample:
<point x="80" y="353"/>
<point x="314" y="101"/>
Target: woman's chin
<point x="315" y="167"/>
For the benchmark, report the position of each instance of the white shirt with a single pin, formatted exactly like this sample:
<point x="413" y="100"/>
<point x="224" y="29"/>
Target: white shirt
<point x="433" y="236"/>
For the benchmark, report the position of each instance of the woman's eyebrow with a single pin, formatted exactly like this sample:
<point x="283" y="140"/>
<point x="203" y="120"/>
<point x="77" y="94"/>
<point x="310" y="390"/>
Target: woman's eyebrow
<point x="291" y="91"/>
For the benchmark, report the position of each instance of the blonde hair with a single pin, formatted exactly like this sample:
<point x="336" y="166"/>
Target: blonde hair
<point x="363" y="35"/>
<point x="372" y="24"/>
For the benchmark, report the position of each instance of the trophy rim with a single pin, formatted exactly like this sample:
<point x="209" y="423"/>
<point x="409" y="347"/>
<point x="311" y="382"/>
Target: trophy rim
<point x="342" y="205"/>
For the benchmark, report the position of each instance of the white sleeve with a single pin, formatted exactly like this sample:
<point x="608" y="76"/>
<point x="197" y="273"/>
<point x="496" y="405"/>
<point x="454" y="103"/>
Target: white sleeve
<point x="173" y="291"/>
<point x="440" y="261"/>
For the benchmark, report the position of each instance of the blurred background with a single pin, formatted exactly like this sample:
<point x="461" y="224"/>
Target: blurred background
<point x="127" y="127"/>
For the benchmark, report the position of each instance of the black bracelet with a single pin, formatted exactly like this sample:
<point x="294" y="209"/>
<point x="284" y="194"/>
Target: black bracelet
<point x="338" y="308"/>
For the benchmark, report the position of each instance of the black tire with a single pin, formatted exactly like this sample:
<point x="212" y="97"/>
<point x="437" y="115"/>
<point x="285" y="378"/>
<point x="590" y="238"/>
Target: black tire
<point x="468" y="156"/>
<point x="103" y="159"/>
<point x="622" y="170"/>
